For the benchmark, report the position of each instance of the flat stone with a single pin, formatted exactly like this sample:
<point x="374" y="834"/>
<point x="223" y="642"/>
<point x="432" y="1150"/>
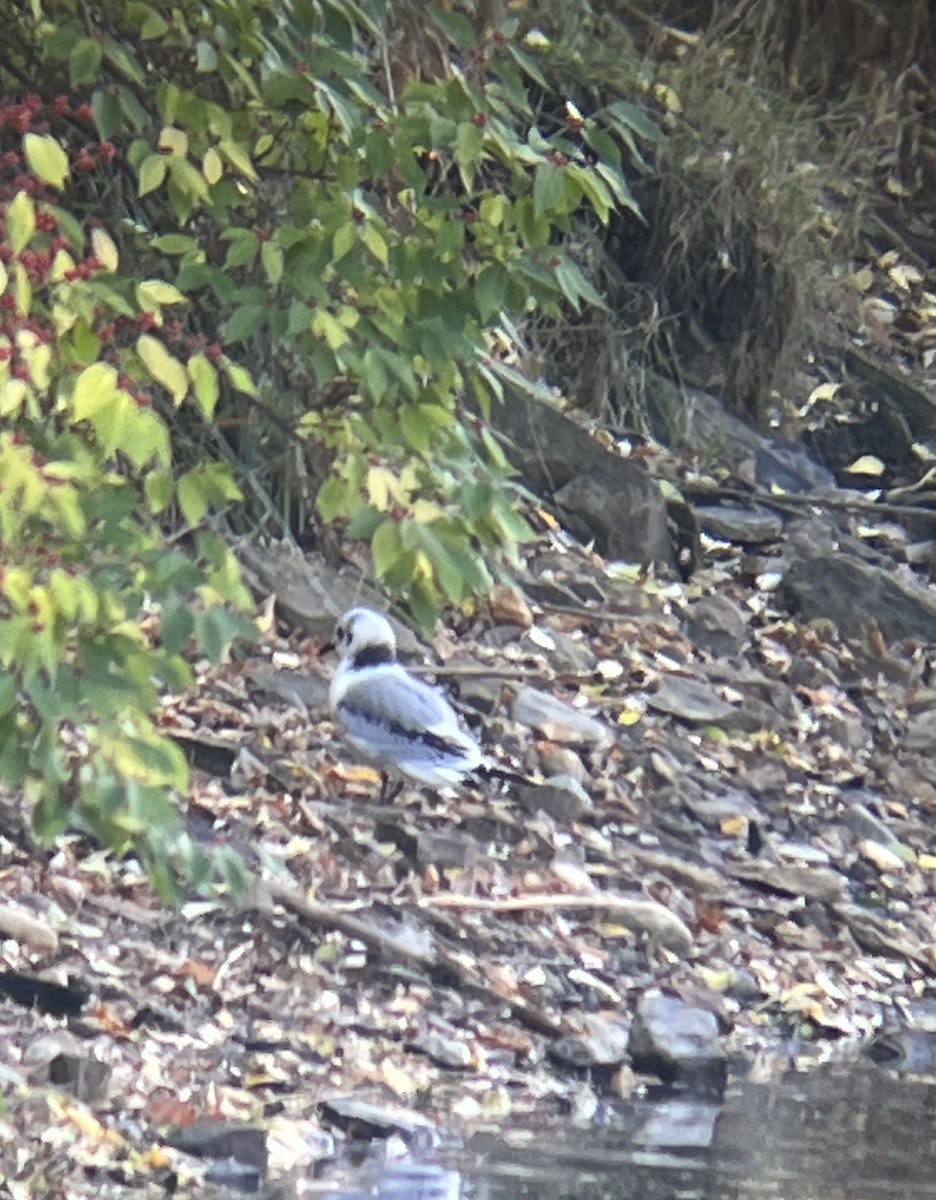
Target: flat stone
<point x="363" y="1120"/>
<point x="560" y="797"/>
<point x="556" y="720"/>
<point x="920" y="733"/>
<point x="686" y="1124"/>
<point x="223" y="1140"/>
<point x="716" y="624"/>
<point x="851" y="593"/>
<point x="601" y="496"/>
<point x="601" y="1042"/>
<point x="861" y="821"/>
<point x="447" y="1052"/>
<point x="446" y="848"/>
<point x="691" y="700"/>
<point x="745" y="526"/>
<point x="676" y="1041"/>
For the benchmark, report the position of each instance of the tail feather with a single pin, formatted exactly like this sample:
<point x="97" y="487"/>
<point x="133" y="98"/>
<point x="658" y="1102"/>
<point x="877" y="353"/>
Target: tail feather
<point x="491" y="771"/>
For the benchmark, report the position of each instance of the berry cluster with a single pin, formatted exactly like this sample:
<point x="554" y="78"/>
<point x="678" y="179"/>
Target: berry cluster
<point x="32" y="114"/>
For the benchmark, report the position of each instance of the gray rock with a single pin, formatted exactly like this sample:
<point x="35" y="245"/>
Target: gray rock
<point x="687" y="1124"/>
<point x="676" y="1041"/>
<point x="851" y="593"/>
<point x="447" y="1052"/>
<point x="863" y="823"/>
<point x="446" y="848"/>
<point x="556" y="720"/>
<point x="363" y="1120"/>
<point x="572" y="656"/>
<point x="223" y="1140"/>
<point x="921" y="732"/>
<point x="716" y="624"/>
<point x="790" y="469"/>
<point x="603" y="497"/>
<point x="690" y="700"/>
<point x="562" y="760"/>
<point x="714" y="810"/>
<point x="560" y="797"/>
<point x="745" y="526"/>
<point x="602" y="1042"/>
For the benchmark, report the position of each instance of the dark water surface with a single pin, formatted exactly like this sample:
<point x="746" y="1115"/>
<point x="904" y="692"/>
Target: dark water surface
<point x="832" y="1133"/>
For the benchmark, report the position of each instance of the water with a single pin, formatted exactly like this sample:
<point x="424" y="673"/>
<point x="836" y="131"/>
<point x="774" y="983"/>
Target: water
<point x="833" y="1133"/>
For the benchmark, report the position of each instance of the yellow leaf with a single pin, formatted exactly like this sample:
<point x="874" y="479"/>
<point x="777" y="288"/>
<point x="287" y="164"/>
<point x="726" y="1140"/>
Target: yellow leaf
<point x="20" y="221"/>
<point x="163" y="368"/>
<point x="94" y="388"/>
<point x="825" y="391"/>
<point x="325" y="326"/>
<point x="862" y="279"/>
<point x="867" y="464"/>
<point x="905" y="275"/>
<point x="104" y="250"/>
<point x="212" y="165"/>
<point x="238" y="157"/>
<point x="22" y="290"/>
<point x="667" y="97"/>
<point x="381" y="487"/>
<point x="46" y="159"/>
<point x="173" y="139"/>
<point x="629" y="716"/>
<point x="61" y="265"/>
<point x="151" y="293"/>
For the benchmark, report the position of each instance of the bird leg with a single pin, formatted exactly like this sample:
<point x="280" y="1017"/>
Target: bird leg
<point x="389" y="790"/>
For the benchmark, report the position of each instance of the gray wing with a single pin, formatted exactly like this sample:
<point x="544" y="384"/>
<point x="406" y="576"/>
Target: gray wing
<point x="391" y="715"/>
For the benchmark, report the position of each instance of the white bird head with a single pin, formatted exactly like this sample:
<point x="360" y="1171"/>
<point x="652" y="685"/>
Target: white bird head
<point x="365" y="638"/>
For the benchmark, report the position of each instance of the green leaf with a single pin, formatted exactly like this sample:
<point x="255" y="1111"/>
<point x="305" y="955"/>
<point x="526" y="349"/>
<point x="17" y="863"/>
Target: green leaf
<point x="549" y="188"/>
<point x="123" y="59"/>
<point x="529" y="64"/>
<point x="187" y="178"/>
<point x="154" y="26"/>
<point x="490" y="292"/>
<point x="46" y="159"/>
<point x="469" y="142"/>
<point x="193" y="496"/>
<point x="456" y="27"/>
<point x="107" y="114"/>
<point x="575" y="286"/>
<point x="204" y="377"/>
<point x="238" y="157"/>
<point x="386" y="547"/>
<point x="271" y="259"/>
<point x="152" y="172"/>
<point x="244" y="322"/>
<point x="84" y="62"/>
<point x="174" y="243"/>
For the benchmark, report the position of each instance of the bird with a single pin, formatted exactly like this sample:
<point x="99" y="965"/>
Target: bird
<point x="402" y="725"/>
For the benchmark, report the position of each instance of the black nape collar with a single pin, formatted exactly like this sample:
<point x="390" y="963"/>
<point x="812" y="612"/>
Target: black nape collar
<point x="373" y="656"/>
